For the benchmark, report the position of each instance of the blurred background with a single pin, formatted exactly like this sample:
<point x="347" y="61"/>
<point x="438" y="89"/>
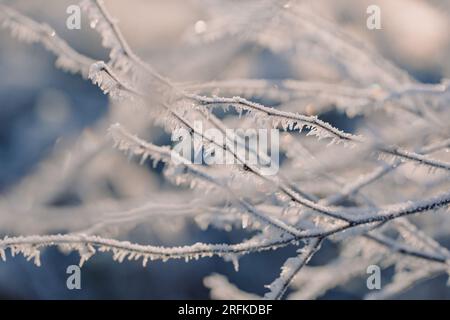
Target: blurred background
<point x="43" y="109"/>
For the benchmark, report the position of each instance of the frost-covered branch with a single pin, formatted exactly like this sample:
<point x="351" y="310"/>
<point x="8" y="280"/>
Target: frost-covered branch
<point x="87" y="246"/>
<point x="322" y="193"/>
<point x="30" y="31"/>
<point x="290" y="268"/>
